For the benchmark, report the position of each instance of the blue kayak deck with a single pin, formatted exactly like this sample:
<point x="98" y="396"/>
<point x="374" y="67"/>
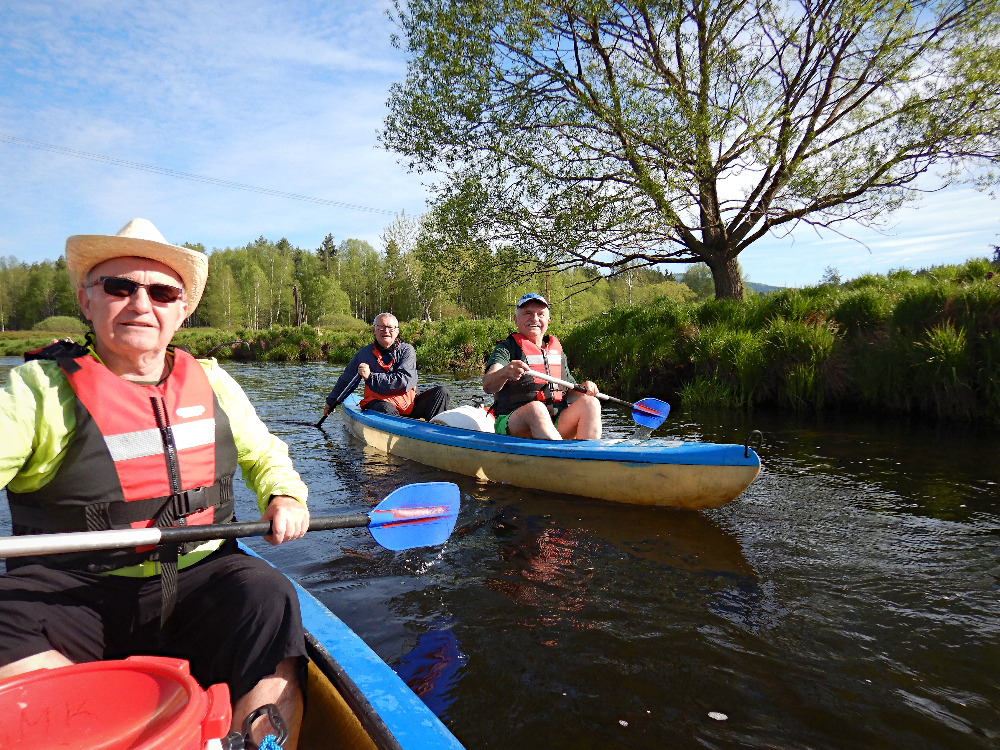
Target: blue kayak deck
<point x="653" y="451"/>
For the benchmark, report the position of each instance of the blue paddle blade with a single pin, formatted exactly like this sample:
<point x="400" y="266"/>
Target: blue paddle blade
<point x="417" y="515"/>
<point x="650" y="412"/>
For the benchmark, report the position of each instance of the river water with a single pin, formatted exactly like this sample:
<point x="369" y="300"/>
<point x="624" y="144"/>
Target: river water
<point x="848" y="599"/>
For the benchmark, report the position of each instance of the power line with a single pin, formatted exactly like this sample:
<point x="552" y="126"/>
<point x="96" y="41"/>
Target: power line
<point x="186" y="175"/>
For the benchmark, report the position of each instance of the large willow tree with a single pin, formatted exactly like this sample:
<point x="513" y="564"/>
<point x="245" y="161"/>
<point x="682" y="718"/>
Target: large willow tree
<point x="616" y="133"/>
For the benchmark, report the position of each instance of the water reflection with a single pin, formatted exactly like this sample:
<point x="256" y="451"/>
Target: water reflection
<point x="432" y="667"/>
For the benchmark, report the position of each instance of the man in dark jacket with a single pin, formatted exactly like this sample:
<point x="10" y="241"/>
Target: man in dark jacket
<point x="388" y="368"/>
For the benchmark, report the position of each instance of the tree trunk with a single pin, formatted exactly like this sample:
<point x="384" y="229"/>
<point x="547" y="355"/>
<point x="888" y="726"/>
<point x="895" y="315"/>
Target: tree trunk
<point x="726" y="275"/>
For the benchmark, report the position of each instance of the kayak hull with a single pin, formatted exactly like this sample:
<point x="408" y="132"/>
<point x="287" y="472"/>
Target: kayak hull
<point x="670" y="473"/>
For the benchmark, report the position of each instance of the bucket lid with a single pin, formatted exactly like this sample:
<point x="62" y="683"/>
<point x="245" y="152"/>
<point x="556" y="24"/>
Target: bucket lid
<point x="139" y="703"/>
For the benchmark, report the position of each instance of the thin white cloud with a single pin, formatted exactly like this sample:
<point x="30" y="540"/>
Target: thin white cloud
<point x="284" y="96"/>
<point x="945" y="227"/>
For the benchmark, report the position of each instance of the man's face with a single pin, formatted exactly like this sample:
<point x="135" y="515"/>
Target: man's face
<point x="532" y="320"/>
<point x="135" y="326"/>
<point x="386" y="330"/>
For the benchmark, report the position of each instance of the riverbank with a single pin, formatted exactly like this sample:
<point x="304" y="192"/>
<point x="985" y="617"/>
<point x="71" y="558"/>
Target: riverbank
<point x="925" y="344"/>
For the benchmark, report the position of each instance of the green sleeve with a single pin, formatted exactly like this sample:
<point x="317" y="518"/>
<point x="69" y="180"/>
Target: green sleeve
<point x="263" y="458"/>
<point x="500" y="356"/>
<point x="36" y="419"/>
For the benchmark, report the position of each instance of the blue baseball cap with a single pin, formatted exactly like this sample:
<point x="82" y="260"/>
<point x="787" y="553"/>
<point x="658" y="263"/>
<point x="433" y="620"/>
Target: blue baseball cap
<point x="532" y="297"/>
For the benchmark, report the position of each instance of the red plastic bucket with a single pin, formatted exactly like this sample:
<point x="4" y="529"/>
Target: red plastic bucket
<point x="140" y="703"/>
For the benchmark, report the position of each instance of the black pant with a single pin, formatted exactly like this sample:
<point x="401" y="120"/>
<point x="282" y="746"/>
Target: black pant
<point x="236" y="618"/>
<point x="427" y="405"/>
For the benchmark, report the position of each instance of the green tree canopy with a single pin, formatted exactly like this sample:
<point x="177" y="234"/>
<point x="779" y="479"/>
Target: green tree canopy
<point x="614" y="133"/>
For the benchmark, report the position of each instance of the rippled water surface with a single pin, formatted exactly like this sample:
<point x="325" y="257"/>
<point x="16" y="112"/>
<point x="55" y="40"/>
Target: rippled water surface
<point x="848" y="599"/>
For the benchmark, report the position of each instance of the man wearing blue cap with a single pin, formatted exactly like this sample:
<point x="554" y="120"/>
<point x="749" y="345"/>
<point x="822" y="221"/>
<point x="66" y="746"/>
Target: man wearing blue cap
<point x="528" y="407"/>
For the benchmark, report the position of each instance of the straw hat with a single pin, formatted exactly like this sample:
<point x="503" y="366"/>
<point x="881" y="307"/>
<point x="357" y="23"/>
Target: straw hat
<point x="137" y="238"/>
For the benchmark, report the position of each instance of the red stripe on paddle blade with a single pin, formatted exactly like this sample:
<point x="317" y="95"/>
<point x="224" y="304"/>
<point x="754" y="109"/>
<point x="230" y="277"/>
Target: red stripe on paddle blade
<point x="650" y="412"/>
<point x="417" y="515"/>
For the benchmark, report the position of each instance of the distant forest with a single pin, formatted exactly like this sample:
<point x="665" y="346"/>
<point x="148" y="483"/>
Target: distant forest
<point x="266" y="283"/>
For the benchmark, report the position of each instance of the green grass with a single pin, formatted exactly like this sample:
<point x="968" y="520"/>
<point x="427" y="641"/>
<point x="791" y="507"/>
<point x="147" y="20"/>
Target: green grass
<point x="906" y="342"/>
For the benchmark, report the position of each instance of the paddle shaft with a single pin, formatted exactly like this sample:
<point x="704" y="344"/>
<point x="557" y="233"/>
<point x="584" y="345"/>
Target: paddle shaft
<point x="581" y="389"/>
<point x="87" y="541"/>
<point x="339" y="401"/>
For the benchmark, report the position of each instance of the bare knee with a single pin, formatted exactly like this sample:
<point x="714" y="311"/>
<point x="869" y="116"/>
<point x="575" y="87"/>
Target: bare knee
<point x="45" y="660"/>
<point x="532" y="421"/>
<point x="582" y="419"/>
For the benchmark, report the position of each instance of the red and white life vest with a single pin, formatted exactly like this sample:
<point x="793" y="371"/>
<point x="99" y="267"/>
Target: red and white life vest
<point x="137" y="452"/>
<point x="547" y="358"/>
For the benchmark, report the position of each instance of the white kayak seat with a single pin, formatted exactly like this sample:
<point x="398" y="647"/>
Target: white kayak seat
<point x="466" y="417"/>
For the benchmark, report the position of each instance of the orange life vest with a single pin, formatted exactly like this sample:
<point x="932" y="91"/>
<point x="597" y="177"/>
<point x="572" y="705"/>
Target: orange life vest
<point x="402" y="400"/>
<point x="548" y="359"/>
<point x="139" y="455"/>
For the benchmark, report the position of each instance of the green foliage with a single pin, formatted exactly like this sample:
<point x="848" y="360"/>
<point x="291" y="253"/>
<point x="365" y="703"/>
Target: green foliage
<point x="708" y="391"/>
<point x="624" y="345"/>
<point x="921" y="302"/>
<point x="456" y="344"/>
<point x="941" y="371"/>
<point x="698" y="278"/>
<point x="16" y="343"/>
<point x="976" y="305"/>
<point x="799" y="342"/>
<point x="597" y="132"/>
<point x="61" y="324"/>
<point x="798" y="304"/>
<point x="31" y="293"/>
<point x="830" y="276"/>
<point x="344" y="322"/>
<point x="926" y="343"/>
<point x="208" y="342"/>
<point x="863" y="310"/>
<point x="731" y="355"/>
<point x="803" y="349"/>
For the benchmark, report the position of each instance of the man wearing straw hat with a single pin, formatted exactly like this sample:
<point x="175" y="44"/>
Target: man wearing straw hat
<point x="128" y="431"/>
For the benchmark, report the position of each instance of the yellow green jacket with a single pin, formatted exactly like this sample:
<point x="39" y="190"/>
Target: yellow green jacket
<point x="37" y="419"/>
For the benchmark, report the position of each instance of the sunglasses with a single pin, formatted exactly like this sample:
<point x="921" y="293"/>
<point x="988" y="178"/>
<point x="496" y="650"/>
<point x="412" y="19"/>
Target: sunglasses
<point x="117" y="286"/>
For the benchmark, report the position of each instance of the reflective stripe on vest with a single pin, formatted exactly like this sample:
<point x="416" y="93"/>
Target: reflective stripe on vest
<point x="150" y="442"/>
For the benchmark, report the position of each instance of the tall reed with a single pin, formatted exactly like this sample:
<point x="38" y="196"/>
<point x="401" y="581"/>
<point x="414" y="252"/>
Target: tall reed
<point x="923" y="342"/>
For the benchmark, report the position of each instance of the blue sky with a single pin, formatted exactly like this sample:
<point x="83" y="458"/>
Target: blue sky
<point x="288" y="97"/>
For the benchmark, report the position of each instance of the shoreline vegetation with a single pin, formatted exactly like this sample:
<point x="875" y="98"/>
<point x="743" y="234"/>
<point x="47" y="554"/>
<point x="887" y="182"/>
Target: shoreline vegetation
<point x="921" y="343"/>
